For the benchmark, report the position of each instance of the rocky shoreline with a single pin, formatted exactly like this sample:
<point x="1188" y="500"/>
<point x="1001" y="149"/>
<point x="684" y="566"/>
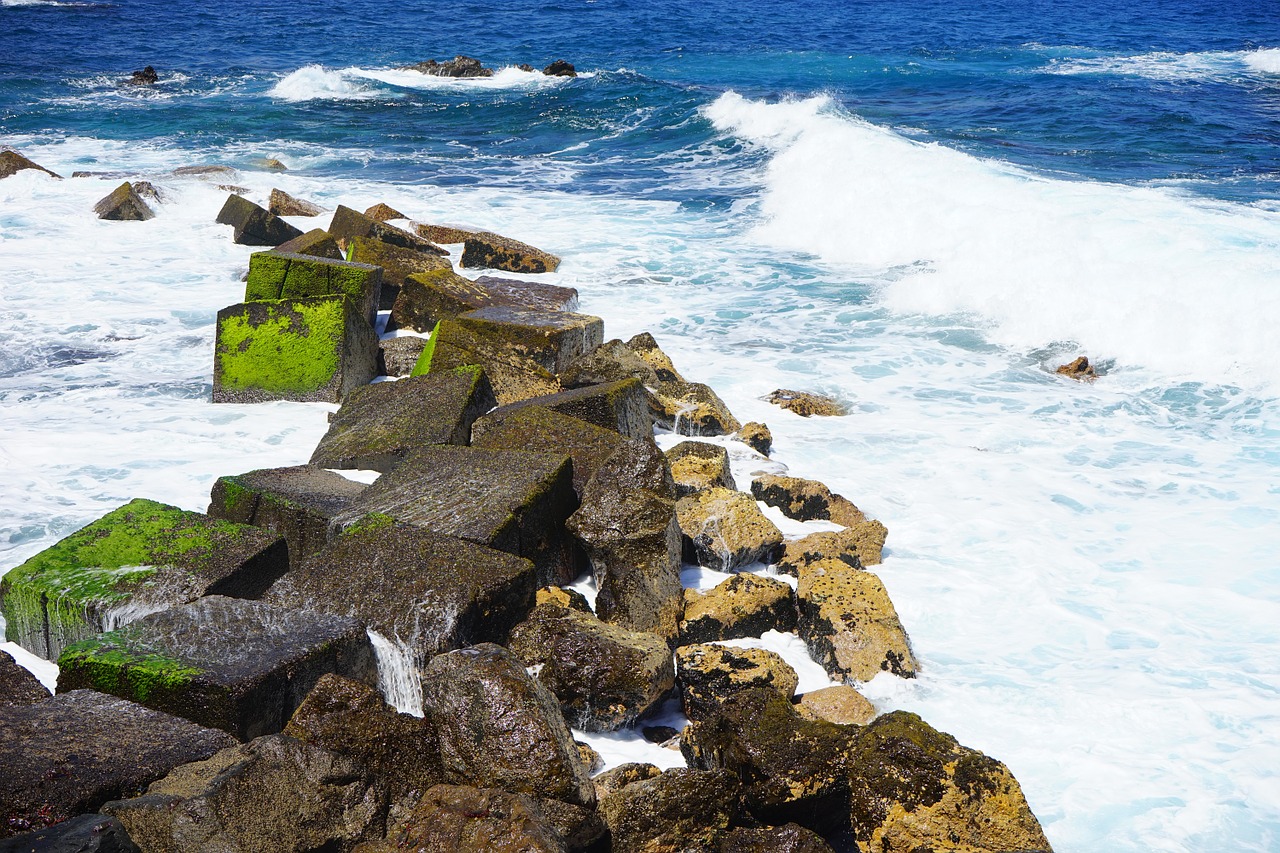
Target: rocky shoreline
<point x="225" y="676"/>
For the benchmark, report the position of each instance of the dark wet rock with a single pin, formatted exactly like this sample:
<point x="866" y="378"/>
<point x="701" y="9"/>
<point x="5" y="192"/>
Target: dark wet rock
<point x="459" y="66"/>
<point x="298" y="503"/>
<point x="234" y="189"/>
<point x="560" y="68"/>
<point x="562" y="597"/>
<point x="486" y="250"/>
<point x="317" y="243"/>
<point x="123" y="204"/>
<point x="433" y="294"/>
<point x="620" y="407"/>
<point x="138" y="558"/>
<point x="282" y="204"/>
<point x="839" y="703"/>
<point x="146" y="77"/>
<point x="397" y="356"/>
<point x="463" y="819"/>
<point x="75" y="751"/>
<point x="805" y="500"/>
<point x="448" y="234"/>
<point x="540" y="430"/>
<point x="647" y="349"/>
<point x="382" y="212"/>
<point x="849" y="623"/>
<point x="230" y="664"/>
<point x="398" y="264"/>
<point x="11" y="162"/>
<point x="612" y="361"/>
<point x="857" y="546"/>
<point x="756" y="436"/>
<point x="269" y="164"/>
<point x="691" y="408"/>
<point x="427" y="592"/>
<point x="379" y="424"/>
<point x="725" y="530"/>
<point x="90" y="833"/>
<point x="581" y="829"/>
<point x="347" y="224"/>
<point x="697" y="465"/>
<point x="709" y="674"/>
<point x="500" y="728"/>
<point x="592" y="759"/>
<point x="253" y="225"/>
<point x="745" y="605"/>
<point x="509" y="500"/>
<point x="610" y="782"/>
<point x="551" y="338"/>
<point x="605" y="676"/>
<point x="316" y="349"/>
<point x="514" y="376"/>
<point x="17" y="685"/>
<point x="807" y="404"/>
<point x="791" y="838"/>
<point x="282" y="275"/>
<point x="275" y="793"/>
<point x="1080" y="370"/>
<point x="660" y="734"/>
<point x="206" y="170"/>
<point x="677" y="811"/>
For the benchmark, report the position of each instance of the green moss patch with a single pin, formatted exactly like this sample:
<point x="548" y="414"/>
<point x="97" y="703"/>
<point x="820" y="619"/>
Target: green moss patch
<point x="280" y="347"/>
<point x="114" y="663"/>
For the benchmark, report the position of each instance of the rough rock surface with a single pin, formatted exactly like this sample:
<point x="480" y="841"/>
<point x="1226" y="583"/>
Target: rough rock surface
<point x="725" y="530"/>
<point x="677" y="811"/>
<point x="348" y="224"/>
<point x="709" y="674"/>
<point x="123" y="204"/>
<point x="382" y="212"/>
<point x="253" y="225"/>
<point x="499" y="728"/>
<point x="562" y="597"/>
<point x="644" y="346"/>
<point x="397" y="356"/>
<point x="806" y="403"/>
<point x="282" y="275"/>
<point x="515" y="377"/>
<point x="857" y="546"/>
<point x="398" y="264"/>
<point x="618" y="406"/>
<point x="486" y="250"/>
<point x="839" y="703"/>
<point x="551" y="338"/>
<point x="459" y="66"/>
<point x="698" y="465"/>
<point x="1080" y="370"/>
<point x="805" y="500"/>
<point x="745" y="605"/>
<point x="612" y="361"/>
<point x="11" y="162"/>
<point x="90" y="833"/>
<point x="431" y="295"/>
<point x="560" y="68"/>
<point x="463" y="819"/>
<point x="849" y="623"/>
<point x="791" y="838"/>
<point x="17" y="685"/>
<point x="317" y="242"/>
<point x="612" y="781"/>
<point x="537" y="429"/>
<point x="146" y="77"/>
<point x="692" y="408"/>
<point x="282" y="204"/>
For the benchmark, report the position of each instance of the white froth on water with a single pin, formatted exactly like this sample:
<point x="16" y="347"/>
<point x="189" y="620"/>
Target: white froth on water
<point x="315" y="82"/>
<point x="1213" y="65"/>
<point x="791" y="649"/>
<point x="46" y="672"/>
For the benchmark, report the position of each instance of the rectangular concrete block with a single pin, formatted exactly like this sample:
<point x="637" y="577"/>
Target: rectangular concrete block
<point x="283" y="275"/>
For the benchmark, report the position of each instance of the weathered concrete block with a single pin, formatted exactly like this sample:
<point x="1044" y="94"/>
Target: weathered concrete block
<point x="317" y="243"/>
<point x="397" y="356"/>
<point x="316" y="349"/>
<point x="72" y="753"/>
<point x="698" y="465"/>
<point x="383" y="212"/>
<point x="123" y="204"/>
<point x="253" y="225"/>
<point x="281" y="203"/>
<point x="348" y="224"/>
<point x="540" y="430"/>
<point x="551" y="338"/>
<point x="622" y="407"/>
<point x="283" y="275"/>
<point x="612" y="361"/>
<point x="486" y="250"/>
<point x="427" y="298"/>
<point x="514" y="376"/>
<point x="141" y="557"/>
<point x="378" y="424"/>
<point x="230" y="664"/>
<point x="398" y="263"/>
<point x="297" y="502"/>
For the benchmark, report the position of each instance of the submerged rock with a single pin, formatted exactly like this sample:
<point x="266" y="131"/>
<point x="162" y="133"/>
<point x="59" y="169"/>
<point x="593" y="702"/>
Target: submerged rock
<point x="279" y="275"/>
<point x="709" y="674"/>
<point x="146" y="77"/>
<point x="459" y="66"/>
<point x="697" y="465"/>
<point x="1080" y="370"/>
<point x="123" y="204"/>
<point x="253" y="225"/>
<point x="849" y="623"/>
<point x="745" y="605"/>
<point x="807" y="404"/>
<point x="282" y="204"/>
<point x="725" y="530"/>
<point x="805" y="500"/>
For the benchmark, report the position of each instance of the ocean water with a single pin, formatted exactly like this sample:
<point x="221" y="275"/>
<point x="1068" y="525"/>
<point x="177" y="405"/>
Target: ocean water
<point x="919" y="207"/>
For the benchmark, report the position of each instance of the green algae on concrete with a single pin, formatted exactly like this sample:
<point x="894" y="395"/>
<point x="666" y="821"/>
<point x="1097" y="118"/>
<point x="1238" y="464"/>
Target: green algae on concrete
<point x="514" y="376"/>
<point x="310" y="349"/>
<point x="284" y="275"/>
<point x="108" y="666"/>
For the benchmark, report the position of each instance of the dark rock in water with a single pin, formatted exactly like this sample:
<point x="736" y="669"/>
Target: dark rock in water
<point x="438" y="294"/>
<point x="514" y="376"/>
<point x="676" y="811"/>
<point x="297" y="502"/>
<point x="805" y="500"/>
<point x="430" y="593"/>
<point x="90" y="833"/>
<point x="145" y="77"/>
<point x="659" y="734"/>
<point x="146" y="189"/>
<point x="1080" y="370"/>
<point x="123" y="204"/>
<point x="317" y="242"/>
<point x="560" y="68"/>
<point x="807" y="404"/>
<point x="541" y="430"/>
<point x="485" y="250"/>
<point x="551" y="338"/>
<point x="275" y="793"/>
<point x="383" y="212"/>
<point x="745" y="605"/>
<point x="316" y="349"/>
<point x="462" y="819"/>
<point x="691" y="408"/>
<point x="524" y="66"/>
<point x="725" y="530"/>
<point x="791" y="838"/>
<point x="347" y="224"/>
<point x="499" y="728"/>
<point x="270" y="164"/>
<point x="230" y="664"/>
<point x="75" y="751"/>
<point x="612" y="361"/>
<point x="849" y="623"/>
<point x="234" y="189"/>
<point x="205" y="170"/>
<point x="605" y="676"/>
<point x="644" y="346"/>
<point x="698" y="465"/>
<point x="280" y="275"/>
<point x="139" y="558"/>
<point x="253" y="225"/>
<point x="509" y="500"/>
<point x="398" y="263"/>
<point x="282" y="204"/>
<point x="621" y="407"/>
<point x="17" y="685"/>
<point x="397" y="356"/>
<point x="459" y="66"/>
<point x="756" y="436"/>
<point x="11" y="162"/>
<point x="709" y="674"/>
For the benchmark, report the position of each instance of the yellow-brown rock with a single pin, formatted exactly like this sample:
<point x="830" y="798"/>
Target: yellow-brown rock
<point x="839" y="704"/>
<point x="708" y="674"/>
<point x="562" y="597"/>
<point x="806" y="403"/>
<point x="756" y="436"/>
<point x="282" y="204"/>
<point x="859" y="545"/>
<point x="724" y="530"/>
<point x="651" y="354"/>
<point x="849" y="623"/>
<point x="1080" y="370"/>
<point x="383" y="212"/>
<point x="805" y="500"/>
<point x="698" y="465"/>
<point x="692" y="408"/>
<point x="745" y="605"/>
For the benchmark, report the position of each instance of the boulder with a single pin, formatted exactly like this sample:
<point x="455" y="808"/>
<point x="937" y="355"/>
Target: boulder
<point x="75" y="751"/>
<point x="427" y="592"/>
<point x="278" y="275"/>
<point x="580" y="828"/>
<point x="90" y="833"/>
<point x="592" y="759"/>
<point x="446" y="234"/>
<point x="605" y="676"/>
<point x="138" y="558"/>
<point x="146" y="189"/>
<point x="509" y="500"/>
<point x="145" y="77"/>
<point x="756" y="436"/>
<point x="674" y="812"/>
<point x="709" y="674"/>
<point x="499" y="728"/>
<point x="382" y="212"/>
<point x="347" y="224"/>
<point x="17" y="685"/>
<point x="206" y="170"/>
<point x="849" y="623"/>
<point x="697" y="465"/>
<point x="647" y="349"/>
<point x="560" y="68"/>
<point x="612" y="781"/>
<point x="515" y="377"/>
<point x="486" y="250"/>
<point x="725" y="530"/>
<point x="269" y="164"/>
<point x="430" y="295"/>
<point x="856" y="546"/>
<point x="806" y="403"/>
<point x="459" y="66"/>
<point x="791" y="838"/>
<point x="298" y="503"/>
<point x="1080" y="370"/>
<point x="317" y="243"/>
<point x="398" y="263"/>
<point x="620" y="407"/>
<point x="612" y="361"/>
<point x="550" y="338"/>
<point x="562" y="597"/>
<point x="379" y="424"/>
<point x="463" y="819"/>
<point x="226" y="663"/>
<point x="11" y="162"/>
<point x="691" y="408"/>
<point x="397" y="356"/>
<point x="316" y="349"/>
<point x="123" y="204"/>
<point x="839" y="703"/>
<point x="281" y="203"/>
<point x="745" y="605"/>
<point x="805" y="500"/>
<point x="541" y="430"/>
<point x="275" y="793"/>
<point x="253" y="225"/>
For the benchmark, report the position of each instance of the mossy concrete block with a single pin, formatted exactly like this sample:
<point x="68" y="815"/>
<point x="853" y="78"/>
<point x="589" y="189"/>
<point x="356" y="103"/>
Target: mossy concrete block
<point x="70" y="754"/>
<point x="397" y="356"/>
<point x="317" y="243"/>
<point x="622" y="407"/>
<point x="314" y="350"/>
<point x="123" y="204"/>
<point x="90" y="833"/>
<point x="298" y="503"/>
<point x="347" y="224"/>
<point x="428" y="592"/>
<point x="508" y="500"/>
<point x="612" y="361"/>
<point x="849" y="623"/>
<point x="725" y="530"/>
<point x="542" y="430"/>
<point x="230" y="664"/>
<point x="514" y="376"/>
<point x="427" y="298"/>
<point x="698" y="465"/>
<point x="692" y="408"/>
<point x="253" y="225"/>
<point x="17" y="685"/>
<point x="398" y="263"/>
<point x="551" y="338"/>
<point x="378" y="424"/>
<point x="281" y="203"/>
<point x="283" y="275"/>
<point x="141" y="557"/>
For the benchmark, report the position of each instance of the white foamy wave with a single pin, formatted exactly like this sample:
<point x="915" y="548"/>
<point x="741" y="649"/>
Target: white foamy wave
<point x="1264" y="61"/>
<point x="1219" y="65"/>
<point x="1145" y="276"/>
<point x="315" y="82"/>
<point x="509" y="77"/>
